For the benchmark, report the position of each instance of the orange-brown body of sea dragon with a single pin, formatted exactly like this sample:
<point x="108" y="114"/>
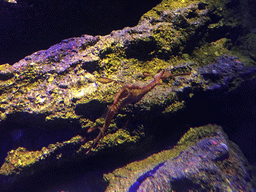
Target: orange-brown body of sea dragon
<point x="130" y="94"/>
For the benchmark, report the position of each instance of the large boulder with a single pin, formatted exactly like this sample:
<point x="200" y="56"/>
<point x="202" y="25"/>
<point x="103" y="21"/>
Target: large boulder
<point x="52" y="100"/>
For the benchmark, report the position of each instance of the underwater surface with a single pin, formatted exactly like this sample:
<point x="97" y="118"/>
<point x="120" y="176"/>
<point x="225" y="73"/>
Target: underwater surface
<point x="232" y="109"/>
<point x="235" y="112"/>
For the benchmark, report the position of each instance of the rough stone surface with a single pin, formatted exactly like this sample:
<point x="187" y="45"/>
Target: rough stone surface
<point x="194" y="166"/>
<point x="225" y="71"/>
<point x="57" y="90"/>
<point x="209" y="164"/>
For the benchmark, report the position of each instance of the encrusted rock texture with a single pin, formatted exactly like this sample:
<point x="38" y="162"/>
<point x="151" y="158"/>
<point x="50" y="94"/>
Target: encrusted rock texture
<point x="211" y="163"/>
<point x="50" y="99"/>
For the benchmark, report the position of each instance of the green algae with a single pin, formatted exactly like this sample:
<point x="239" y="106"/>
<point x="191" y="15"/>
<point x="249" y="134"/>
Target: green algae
<point x="120" y="138"/>
<point x="111" y="62"/>
<point x="151" y="66"/>
<point x="208" y="52"/>
<point x="196" y="134"/>
<point x="112" y="56"/>
<point x="103" y="93"/>
<point x="246" y="47"/>
<point x="113" y="59"/>
<point x="176" y="106"/>
<point x="173" y="4"/>
<point x="121" y="176"/>
<point x="165" y="5"/>
<point x="168" y="39"/>
<point x="19" y="159"/>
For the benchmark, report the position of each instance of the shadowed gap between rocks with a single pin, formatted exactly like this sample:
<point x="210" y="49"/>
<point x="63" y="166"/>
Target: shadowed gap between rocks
<point x="234" y="111"/>
<point x="91" y="110"/>
<point x="32" y="132"/>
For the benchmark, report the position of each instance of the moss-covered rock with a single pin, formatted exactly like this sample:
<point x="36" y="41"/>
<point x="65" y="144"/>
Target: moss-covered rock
<point x="57" y="88"/>
<point x="175" y="170"/>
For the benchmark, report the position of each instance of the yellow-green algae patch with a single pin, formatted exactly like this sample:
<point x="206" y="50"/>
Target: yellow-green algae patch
<point x="246" y="47"/>
<point x="175" y="106"/>
<point x="18" y="159"/>
<point x="172" y="4"/>
<point x="151" y="66"/>
<point x="208" y="52"/>
<point x="121" y="177"/>
<point x="105" y="93"/>
<point x="196" y="134"/>
<point x="111" y="59"/>
<point x="120" y="138"/>
<point x="111" y="62"/>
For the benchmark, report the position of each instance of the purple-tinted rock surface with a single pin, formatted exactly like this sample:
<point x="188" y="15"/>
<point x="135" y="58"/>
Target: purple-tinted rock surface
<point x="225" y="71"/>
<point x="52" y="101"/>
<point x="211" y="164"/>
<point x="195" y="167"/>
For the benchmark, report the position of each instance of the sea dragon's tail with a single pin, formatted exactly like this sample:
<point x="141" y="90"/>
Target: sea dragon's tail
<point x="112" y="110"/>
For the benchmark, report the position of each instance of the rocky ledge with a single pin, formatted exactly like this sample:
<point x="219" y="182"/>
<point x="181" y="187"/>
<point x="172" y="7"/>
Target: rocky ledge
<point x="51" y="100"/>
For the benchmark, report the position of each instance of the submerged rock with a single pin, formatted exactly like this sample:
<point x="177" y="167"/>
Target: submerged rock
<point x="55" y="90"/>
<point x="211" y="163"/>
<point x="225" y="72"/>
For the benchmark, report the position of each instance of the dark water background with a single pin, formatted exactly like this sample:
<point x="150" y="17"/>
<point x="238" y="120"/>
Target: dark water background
<point x="33" y="25"/>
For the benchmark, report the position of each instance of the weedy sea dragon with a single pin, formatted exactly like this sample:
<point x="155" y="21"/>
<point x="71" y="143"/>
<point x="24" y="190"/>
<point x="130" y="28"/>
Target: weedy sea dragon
<point x="130" y="94"/>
